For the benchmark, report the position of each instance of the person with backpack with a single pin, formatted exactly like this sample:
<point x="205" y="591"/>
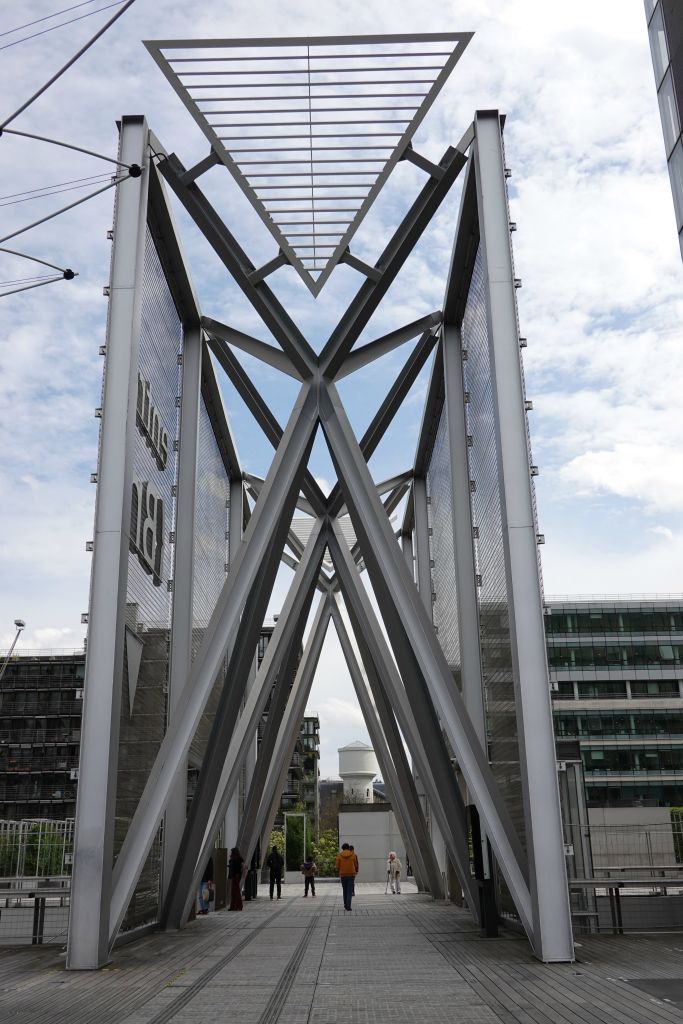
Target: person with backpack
<point x="346" y="869"/>
<point x="276" y="863"/>
<point x="308" y="870"/>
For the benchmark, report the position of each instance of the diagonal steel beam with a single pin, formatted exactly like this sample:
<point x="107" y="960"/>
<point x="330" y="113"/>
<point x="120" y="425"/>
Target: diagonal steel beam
<point x="292" y="612"/>
<point x="301" y="503"/>
<point x="407" y="623"/>
<point x="277" y="501"/>
<point x="360" y="357"/>
<point x="370" y="294"/>
<point x="259" y="349"/>
<point x="413" y="708"/>
<point x="231" y="254"/>
<point x="276" y="712"/>
<point x="263" y="416"/>
<point x="225" y="717"/>
<point x="289" y="727"/>
<point x="389" y="407"/>
<point x="388" y="743"/>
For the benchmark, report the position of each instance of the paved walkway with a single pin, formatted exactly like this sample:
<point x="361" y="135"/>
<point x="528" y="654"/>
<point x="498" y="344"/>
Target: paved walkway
<point x="393" y="960"/>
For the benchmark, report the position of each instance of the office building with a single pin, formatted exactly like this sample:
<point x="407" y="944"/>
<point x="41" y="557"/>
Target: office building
<point x="616" y="671"/>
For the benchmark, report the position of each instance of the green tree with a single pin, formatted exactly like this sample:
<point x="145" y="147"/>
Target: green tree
<point x="277" y="840"/>
<point x="325" y="850"/>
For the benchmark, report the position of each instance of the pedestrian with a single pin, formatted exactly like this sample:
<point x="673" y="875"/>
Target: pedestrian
<point x="356" y="866"/>
<point x="394" y="868"/>
<point x="276" y="863"/>
<point x="204" y="896"/>
<point x="235" y="865"/>
<point x="308" y="870"/>
<point x="346" y="869"/>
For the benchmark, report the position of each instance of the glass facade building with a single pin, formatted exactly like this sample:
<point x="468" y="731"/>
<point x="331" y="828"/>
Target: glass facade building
<point x="616" y="670"/>
<point x="665" y="28"/>
<point x="41" y="699"/>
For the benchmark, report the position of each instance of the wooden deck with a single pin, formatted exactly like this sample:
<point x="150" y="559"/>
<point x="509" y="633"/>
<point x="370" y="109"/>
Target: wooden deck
<point x="392" y="960"/>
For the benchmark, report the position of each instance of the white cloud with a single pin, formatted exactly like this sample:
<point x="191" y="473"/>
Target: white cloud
<point x="602" y="301"/>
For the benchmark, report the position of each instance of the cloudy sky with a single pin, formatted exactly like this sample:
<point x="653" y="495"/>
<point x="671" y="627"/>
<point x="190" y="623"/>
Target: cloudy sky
<point x="596" y="248"/>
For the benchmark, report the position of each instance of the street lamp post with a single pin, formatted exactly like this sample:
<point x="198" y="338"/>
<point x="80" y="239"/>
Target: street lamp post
<point x="20" y="624"/>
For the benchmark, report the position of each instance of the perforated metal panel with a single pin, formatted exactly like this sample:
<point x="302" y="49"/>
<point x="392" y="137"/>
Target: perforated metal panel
<point x="495" y="637"/>
<point x="442" y="547"/>
<point x="150" y="562"/>
<point x="211" y="547"/>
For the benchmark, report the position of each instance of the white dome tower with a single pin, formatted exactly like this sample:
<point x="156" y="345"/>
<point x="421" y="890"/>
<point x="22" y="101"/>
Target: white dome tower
<point x="358" y="767"/>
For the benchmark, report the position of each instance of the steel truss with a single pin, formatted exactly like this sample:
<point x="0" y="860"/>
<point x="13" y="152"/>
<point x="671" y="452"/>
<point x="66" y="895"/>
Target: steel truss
<point x="404" y="684"/>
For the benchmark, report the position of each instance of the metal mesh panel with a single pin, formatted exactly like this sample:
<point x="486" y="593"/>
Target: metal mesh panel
<point x="495" y="637"/>
<point x="210" y="556"/>
<point x="150" y="563"/>
<point x="442" y="548"/>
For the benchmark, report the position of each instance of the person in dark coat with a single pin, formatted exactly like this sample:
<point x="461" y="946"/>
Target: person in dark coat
<point x="235" y="865"/>
<point x="276" y="863"/>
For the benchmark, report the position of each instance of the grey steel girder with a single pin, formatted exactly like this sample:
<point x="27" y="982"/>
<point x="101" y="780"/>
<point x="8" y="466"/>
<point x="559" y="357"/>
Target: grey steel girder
<point x="276" y="711"/>
<point x="551" y="915"/>
<point x="181" y="622"/>
<point x="229" y="251"/>
<point x="389" y="407"/>
<point x="359" y="357"/>
<point x="415" y="718"/>
<point x="406" y="620"/>
<point x="263" y="416"/>
<point x="385" y="735"/>
<point x="259" y="349"/>
<point x="289" y="727"/>
<point x="91" y="881"/>
<point x="277" y="501"/>
<point x="245" y="729"/>
<point x="370" y="294"/>
<point x="240" y="664"/>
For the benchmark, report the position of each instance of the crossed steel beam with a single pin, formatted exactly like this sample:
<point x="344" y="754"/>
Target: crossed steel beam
<point x="405" y="689"/>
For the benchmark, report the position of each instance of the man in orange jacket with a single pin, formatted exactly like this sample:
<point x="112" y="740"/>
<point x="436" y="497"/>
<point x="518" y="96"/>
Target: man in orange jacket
<point x="346" y="869"/>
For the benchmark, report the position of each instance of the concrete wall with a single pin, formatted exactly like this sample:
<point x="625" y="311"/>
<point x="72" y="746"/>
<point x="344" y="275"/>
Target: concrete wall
<point x="372" y="829"/>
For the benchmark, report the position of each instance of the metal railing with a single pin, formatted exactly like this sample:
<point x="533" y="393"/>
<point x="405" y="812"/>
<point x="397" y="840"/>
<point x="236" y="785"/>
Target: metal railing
<point x="626" y="878"/>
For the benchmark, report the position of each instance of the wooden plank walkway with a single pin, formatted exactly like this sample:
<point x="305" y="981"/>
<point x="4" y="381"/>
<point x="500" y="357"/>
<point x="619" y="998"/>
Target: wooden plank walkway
<point x="393" y="959"/>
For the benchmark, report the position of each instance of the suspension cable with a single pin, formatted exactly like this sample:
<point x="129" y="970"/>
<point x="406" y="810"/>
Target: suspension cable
<point x="65" y="145"/>
<point x="68" y="64"/>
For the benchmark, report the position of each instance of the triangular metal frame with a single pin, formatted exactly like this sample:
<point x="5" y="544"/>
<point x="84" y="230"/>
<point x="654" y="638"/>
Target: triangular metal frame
<point x="169" y="52"/>
<point x="412" y="673"/>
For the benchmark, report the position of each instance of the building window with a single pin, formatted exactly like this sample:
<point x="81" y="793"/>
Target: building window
<point x="658" y="46"/>
<point x="669" y="111"/>
<point x="676" y="176"/>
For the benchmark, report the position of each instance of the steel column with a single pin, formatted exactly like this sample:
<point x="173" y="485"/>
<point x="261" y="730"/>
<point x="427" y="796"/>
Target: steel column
<point x="181" y="619"/>
<point x="289" y="728"/>
<point x="275" y="714"/>
<point x="382" y="726"/>
<point x="88" y="945"/>
<point x="245" y="729"/>
<point x="552" y="931"/>
<point x="463" y="540"/>
<point x="422" y="547"/>
<point x="407" y="623"/>
<point x="277" y="502"/>
<point x="415" y="716"/>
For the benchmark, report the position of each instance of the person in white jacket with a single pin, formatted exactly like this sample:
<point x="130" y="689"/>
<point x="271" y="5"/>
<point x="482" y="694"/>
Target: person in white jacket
<point x="394" y="873"/>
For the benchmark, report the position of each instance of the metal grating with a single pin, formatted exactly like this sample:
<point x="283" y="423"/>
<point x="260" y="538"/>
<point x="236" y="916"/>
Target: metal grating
<point x="310" y="128"/>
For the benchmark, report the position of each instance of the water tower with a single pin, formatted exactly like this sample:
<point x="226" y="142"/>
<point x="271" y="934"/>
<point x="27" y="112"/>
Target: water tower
<point x="358" y="767"/>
